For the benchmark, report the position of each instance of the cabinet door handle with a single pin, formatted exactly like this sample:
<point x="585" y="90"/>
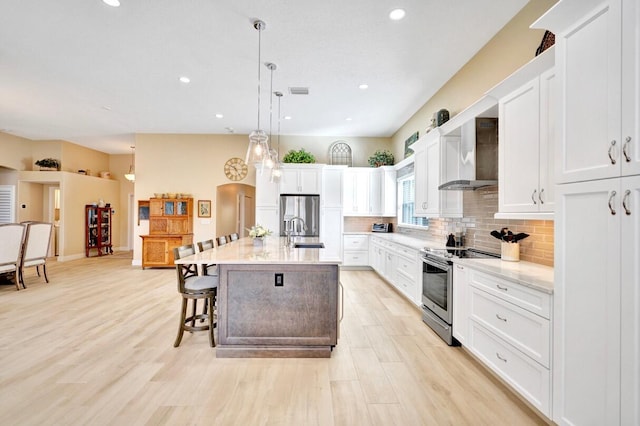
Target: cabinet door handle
<point x="611" y="209"/>
<point x="460" y="267"/>
<point x="501" y="318"/>
<point x="502" y="288"/>
<point x="627" y="141"/>
<point x="613" y="160"/>
<point x="627" y="194"/>
<point x="501" y="358"/>
<point x="533" y="195"/>
<point x="540" y="196"/>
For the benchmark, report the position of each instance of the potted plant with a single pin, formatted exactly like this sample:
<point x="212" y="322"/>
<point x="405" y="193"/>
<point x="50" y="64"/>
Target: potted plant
<point x="381" y="157"/>
<point x="300" y="156"/>
<point x="48" y="164"/>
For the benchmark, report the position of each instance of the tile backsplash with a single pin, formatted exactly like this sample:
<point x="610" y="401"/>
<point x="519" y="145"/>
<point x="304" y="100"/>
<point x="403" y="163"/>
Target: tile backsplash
<point x="477" y="223"/>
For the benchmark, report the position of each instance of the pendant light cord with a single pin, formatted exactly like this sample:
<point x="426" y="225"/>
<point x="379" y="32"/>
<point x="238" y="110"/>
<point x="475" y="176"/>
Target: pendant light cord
<point x="259" y="25"/>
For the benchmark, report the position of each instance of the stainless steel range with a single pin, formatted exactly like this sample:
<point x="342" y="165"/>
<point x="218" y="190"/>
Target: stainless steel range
<point x="437" y="285"/>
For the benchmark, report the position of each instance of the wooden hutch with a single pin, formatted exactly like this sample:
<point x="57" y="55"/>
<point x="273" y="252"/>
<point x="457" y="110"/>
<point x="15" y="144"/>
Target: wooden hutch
<point x="170" y="226"/>
<point x="97" y="230"/>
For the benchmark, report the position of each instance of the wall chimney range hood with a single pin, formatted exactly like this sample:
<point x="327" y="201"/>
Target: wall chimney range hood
<point x="479" y="153"/>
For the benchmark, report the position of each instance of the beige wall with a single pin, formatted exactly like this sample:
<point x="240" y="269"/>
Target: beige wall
<point x="75" y="157"/>
<point x="508" y="50"/>
<point x="15" y="152"/>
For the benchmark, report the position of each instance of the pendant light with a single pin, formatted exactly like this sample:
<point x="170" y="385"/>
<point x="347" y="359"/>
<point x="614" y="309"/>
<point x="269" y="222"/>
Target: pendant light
<point x="131" y="176"/>
<point x="258" y="149"/>
<point x="272" y="155"/>
<point x="276" y="171"/>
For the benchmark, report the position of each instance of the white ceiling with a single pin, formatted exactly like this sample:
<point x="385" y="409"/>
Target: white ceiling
<point x="84" y="72"/>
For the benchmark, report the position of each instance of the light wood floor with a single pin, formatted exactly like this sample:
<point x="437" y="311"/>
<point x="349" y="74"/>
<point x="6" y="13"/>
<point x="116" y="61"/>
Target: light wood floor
<point x="95" y="346"/>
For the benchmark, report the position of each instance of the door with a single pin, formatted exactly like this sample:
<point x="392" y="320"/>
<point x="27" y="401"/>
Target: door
<point x="630" y="87"/>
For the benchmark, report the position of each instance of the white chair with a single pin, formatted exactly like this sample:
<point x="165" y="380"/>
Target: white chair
<point x="36" y="248"/>
<point x="11" y="237"/>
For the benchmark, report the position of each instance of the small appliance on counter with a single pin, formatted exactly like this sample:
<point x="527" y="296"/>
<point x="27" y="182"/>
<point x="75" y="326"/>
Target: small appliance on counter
<point x="381" y="227"/>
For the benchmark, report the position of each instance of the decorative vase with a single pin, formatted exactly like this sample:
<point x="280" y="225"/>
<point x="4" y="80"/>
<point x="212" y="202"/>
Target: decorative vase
<point x="258" y="241"/>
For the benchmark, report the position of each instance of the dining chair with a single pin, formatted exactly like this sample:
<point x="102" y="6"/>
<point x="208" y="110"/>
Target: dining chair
<point x="12" y="238"/>
<point x="234" y="236"/>
<point x="36" y="248"/>
<point x="222" y="240"/>
<point x="193" y="286"/>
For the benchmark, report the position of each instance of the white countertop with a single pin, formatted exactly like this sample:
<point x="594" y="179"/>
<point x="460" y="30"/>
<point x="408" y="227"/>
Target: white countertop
<point x="274" y="251"/>
<point x="528" y="274"/>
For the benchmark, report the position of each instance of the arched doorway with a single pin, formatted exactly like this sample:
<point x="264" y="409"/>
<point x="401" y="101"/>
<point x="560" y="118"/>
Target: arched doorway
<point x="235" y="208"/>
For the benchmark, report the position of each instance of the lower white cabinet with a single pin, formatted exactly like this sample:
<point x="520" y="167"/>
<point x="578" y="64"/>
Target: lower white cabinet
<point x="508" y="327"/>
<point x="399" y="265"/>
<point x="460" y="303"/>
<point x="355" y="250"/>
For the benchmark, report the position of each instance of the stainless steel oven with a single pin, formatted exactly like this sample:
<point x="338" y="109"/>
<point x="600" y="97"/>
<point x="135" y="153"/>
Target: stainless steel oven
<point x="437" y="283"/>
<point x="437" y="286"/>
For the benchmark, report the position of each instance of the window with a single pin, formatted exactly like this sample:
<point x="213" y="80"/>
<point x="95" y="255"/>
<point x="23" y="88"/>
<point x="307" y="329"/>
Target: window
<point x="406" y="195"/>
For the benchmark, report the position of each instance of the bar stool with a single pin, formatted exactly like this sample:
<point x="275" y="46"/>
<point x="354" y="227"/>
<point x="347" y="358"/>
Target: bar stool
<point x="222" y="240"/>
<point x="192" y="286"/>
<point x="234" y="236"/>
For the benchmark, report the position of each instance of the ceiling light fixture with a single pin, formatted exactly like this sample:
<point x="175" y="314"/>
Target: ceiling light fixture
<point x="363" y="86"/>
<point x="272" y="155"/>
<point x="258" y="148"/>
<point x="348" y="118"/>
<point x="131" y="176"/>
<point x="287" y="117"/>
<point x="397" y="14"/>
<point x="112" y="3"/>
<point x="219" y="116"/>
<point x="276" y="171"/>
<point x="185" y="79"/>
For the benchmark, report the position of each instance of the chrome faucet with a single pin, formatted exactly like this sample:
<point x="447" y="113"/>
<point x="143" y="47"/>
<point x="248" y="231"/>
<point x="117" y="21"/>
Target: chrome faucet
<point x="289" y="228"/>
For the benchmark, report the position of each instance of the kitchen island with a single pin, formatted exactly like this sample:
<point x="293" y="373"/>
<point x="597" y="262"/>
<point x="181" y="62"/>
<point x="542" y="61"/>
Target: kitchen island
<point x="274" y="300"/>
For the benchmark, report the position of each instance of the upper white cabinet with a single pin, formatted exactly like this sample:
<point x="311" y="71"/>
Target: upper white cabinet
<point x="300" y="179"/>
<point x="331" y="194"/>
<point x="369" y="191"/>
<point x="599" y="101"/>
<point x="526" y="128"/>
<point x="267" y="198"/>
<point x="436" y="162"/>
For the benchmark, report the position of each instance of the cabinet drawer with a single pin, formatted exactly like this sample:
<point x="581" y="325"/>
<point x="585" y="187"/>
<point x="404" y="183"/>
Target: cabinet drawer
<point x="356" y="258"/>
<point x="408" y="286"/>
<point x="532" y="300"/>
<point x="406" y="267"/>
<point x="530" y="379"/>
<point x="356" y="242"/>
<point x="528" y="332"/>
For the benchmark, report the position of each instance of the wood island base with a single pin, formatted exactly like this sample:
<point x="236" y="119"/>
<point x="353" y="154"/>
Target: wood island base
<point x="277" y="310"/>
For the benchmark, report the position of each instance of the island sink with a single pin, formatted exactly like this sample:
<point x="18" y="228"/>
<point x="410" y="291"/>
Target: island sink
<point x="308" y="245"/>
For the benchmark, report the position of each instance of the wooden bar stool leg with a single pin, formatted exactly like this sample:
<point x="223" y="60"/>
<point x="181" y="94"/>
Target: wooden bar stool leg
<point x="183" y="316"/>
<point x="194" y="313"/>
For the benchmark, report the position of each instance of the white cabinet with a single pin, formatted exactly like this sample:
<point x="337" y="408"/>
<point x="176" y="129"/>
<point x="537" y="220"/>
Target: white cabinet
<point x="598" y="272"/>
<point x="355" y="250"/>
<point x="596" y="376"/>
<point x="526" y="121"/>
<point x="436" y="162"/>
<point x="460" y="303"/>
<point x="599" y="113"/>
<point x="399" y="265"/>
<point x="369" y="191"/>
<point x="509" y="330"/>
<point x="331" y="220"/>
<point x="300" y="179"/>
<point x="267" y="197"/>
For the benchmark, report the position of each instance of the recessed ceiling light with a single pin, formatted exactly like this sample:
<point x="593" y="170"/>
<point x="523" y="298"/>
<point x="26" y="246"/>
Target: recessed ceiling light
<point x="112" y="3"/>
<point x="219" y="116"/>
<point x="185" y="79"/>
<point x="287" y="117"/>
<point x="348" y="118"/>
<point x="397" y="14"/>
<point x="364" y="86"/>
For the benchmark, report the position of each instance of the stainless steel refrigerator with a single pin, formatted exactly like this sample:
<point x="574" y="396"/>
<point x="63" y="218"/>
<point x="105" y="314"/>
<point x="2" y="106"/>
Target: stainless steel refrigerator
<point x="306" y="207"/>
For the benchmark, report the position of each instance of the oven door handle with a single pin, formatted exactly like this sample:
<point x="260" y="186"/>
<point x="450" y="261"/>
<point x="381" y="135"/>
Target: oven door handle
<point x="436" y="264"/>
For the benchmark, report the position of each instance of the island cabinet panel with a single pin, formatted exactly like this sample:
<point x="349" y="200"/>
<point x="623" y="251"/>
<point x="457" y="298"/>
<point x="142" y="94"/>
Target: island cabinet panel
<point x="260" y="318"/>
